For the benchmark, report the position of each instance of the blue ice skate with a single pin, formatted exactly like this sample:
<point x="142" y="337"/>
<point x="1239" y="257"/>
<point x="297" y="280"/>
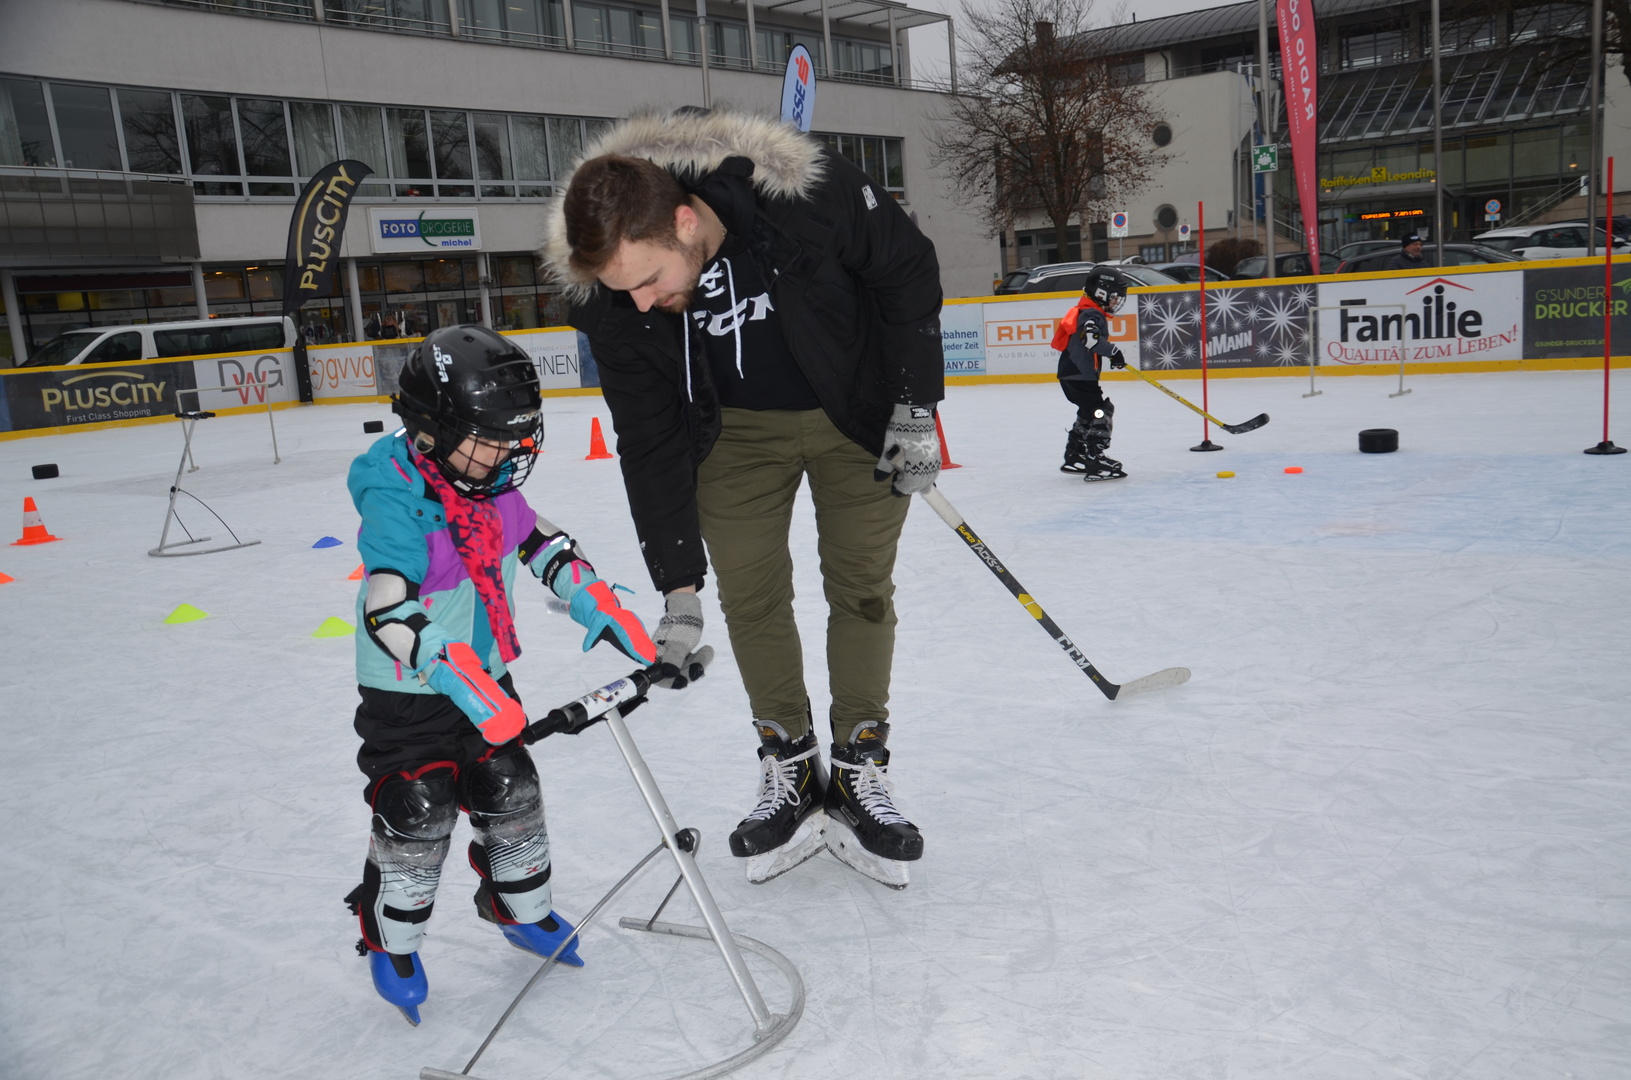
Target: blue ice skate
<point x="544" y="937"/>
<point x="400" y="979"/>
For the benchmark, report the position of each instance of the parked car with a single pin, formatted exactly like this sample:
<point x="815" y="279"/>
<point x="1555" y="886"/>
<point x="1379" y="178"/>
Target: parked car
<point x="156" y="341"/>
<point x="1454" y="255"/>
<point x="1290" y="264"/>
<point x="1013" y="283"/>
<point x="1559" y="240"/>
<point x="1190" y="272"/>
<point x="1365" y="247"/>
<point x="1069" y="277"/>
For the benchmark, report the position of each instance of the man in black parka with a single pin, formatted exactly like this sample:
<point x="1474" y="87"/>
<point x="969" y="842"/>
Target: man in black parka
<point x="760" y="312"/>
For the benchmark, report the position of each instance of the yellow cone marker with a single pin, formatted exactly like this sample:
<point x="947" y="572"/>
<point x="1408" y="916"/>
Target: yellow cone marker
<point x="333" y="626"/>
<point x="1225" y="475"/>
<point x="186" y="613"/>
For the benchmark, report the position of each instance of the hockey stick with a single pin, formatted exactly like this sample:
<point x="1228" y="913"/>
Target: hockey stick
<point x="1166" y="677"/>
<point x="1234" y="429"/>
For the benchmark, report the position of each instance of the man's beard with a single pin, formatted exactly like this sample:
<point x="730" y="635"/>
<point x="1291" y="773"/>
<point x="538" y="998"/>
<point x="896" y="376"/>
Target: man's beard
<point x="696" y="256"/>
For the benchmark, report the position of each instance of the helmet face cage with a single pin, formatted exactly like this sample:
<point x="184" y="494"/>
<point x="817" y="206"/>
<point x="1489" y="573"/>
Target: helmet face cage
<point x="467" y="382"/>
<point x="1107" y="289"/>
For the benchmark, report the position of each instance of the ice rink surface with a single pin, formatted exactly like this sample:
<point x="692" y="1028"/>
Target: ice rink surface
<point x="1382" y="833"/>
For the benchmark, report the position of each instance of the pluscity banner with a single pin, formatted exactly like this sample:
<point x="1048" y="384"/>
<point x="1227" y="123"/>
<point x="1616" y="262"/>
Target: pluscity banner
<point x="1299" y="66"/>
<point x="315" y="231"/>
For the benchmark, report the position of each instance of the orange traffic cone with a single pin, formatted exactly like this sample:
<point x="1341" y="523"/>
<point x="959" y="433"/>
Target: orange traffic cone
<point x="945" y="454"/>
<point x="33" y="528"/>
<point x="597" y="442"/>
<point x="6" y="579"/>
<point x="356" y="575"/>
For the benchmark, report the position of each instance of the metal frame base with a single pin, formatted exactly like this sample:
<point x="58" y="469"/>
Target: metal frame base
<point x="167" y="550"/>
<point x="769" y="1028"/>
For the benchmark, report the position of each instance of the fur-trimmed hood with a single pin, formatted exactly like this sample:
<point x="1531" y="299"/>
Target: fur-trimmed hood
<point x="690" y="144"/>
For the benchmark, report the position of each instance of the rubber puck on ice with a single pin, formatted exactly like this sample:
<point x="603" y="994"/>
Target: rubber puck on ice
<point x="372" y="427"/>
<point x="45" y="472"/>
<point x="1378" y="440"/>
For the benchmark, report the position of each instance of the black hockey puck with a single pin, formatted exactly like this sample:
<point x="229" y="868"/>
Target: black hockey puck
<point x="373" y="427"/>
<point x="1378" y="440"/>
<point x="45" y="472"/>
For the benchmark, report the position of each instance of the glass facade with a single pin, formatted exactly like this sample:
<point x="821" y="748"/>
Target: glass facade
<point x="237" y="147"/>
<point x="399" y="298"/>
<point x="620" y="29"/>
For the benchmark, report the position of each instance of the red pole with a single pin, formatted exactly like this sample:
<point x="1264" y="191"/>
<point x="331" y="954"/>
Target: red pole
<point x="1607" y="447"/>
<point x="1206" y="403"/>
<point x="1608" y="291"/>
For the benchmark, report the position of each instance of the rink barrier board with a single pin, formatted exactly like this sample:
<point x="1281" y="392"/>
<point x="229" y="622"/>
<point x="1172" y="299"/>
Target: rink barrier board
<point x="1008" y="339"/>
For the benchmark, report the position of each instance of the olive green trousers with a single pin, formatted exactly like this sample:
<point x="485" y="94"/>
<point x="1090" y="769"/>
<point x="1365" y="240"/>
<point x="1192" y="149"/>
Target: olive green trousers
<point x="745" y="491"/>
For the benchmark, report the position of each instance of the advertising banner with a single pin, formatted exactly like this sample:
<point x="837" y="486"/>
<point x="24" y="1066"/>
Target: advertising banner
<point x="242" y="379"/>
<point x="1247" y="325"/>
<point x="401" y="228"/>
<point x="962" y="338"/>
<point x="315" y="230"/>
<point x="798" y="89"/>
<point x="1299" y="67"/>
<point x="1563" y="311"/>
<point x="1428" y="318"/>
<point x="555" y="352"/>
<point x="1018" y="335"/>
<point x="66" y="396"/>
<point x="341" y="371"/>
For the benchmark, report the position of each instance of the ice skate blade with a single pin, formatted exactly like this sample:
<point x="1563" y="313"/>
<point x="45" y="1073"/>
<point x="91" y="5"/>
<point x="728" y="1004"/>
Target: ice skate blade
<point x="805" y="844"/>
<point x="846" y="848"/>
<point x="410" y="1013"/>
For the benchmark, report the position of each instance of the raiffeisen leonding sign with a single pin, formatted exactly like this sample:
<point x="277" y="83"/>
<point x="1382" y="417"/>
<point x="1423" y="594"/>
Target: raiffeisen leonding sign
<point x="407" y="229"/>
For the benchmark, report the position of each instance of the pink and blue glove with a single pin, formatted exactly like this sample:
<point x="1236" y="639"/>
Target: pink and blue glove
<point x="456" y="671"/>
<point x="593" y="605"/>
<point x="559" y="564"/>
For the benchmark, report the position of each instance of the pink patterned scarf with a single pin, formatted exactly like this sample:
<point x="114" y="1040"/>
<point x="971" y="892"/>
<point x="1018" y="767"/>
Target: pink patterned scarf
<point x="478" y="536"/>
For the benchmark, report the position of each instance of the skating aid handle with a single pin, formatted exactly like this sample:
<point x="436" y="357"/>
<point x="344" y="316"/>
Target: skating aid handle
<point x="627" y="694"/>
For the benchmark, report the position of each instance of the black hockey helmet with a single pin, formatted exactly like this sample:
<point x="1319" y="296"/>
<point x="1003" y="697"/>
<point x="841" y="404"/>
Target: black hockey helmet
<point x="464" y="381"/>
<point x="1106" y="286"/>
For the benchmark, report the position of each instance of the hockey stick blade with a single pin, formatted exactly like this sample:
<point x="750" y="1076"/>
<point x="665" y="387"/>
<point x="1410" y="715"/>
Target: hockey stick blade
<point x="1251" y="425"/>
<point x="948" y="513"/>
<point x="1235" y="429"/>
<point x="1160" y="680"/>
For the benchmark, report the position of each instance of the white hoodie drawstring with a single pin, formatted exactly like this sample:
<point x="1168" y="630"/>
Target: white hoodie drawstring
<point x="730" y="277"/>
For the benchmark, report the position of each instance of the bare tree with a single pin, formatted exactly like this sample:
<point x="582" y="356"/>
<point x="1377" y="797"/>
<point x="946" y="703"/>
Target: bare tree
<point x="1049" y="118"/>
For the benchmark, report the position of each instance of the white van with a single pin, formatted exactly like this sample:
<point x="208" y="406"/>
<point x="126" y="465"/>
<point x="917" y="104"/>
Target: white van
<point x="159" y="341"/>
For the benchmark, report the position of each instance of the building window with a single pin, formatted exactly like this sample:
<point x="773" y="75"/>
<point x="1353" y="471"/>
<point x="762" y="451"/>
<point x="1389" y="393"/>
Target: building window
<point x="1166" y="217"/>
<point x="1369" y="46"/>
<point x="25" y="130"/>
<point x="533" y="21"/>
<point x="85" y="127"/>
<point x="1153" y="253"/>
<point x="149" y="121"/>
<point x="416" y="16"/>
<point x="212" y="142"/>
<point x="1162" y="135"/>
<point x="879" y="157"/>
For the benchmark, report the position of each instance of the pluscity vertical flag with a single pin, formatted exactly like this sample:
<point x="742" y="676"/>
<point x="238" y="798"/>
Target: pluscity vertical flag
<point x="315" y="231"/>
<point x="1299" y="67"/>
